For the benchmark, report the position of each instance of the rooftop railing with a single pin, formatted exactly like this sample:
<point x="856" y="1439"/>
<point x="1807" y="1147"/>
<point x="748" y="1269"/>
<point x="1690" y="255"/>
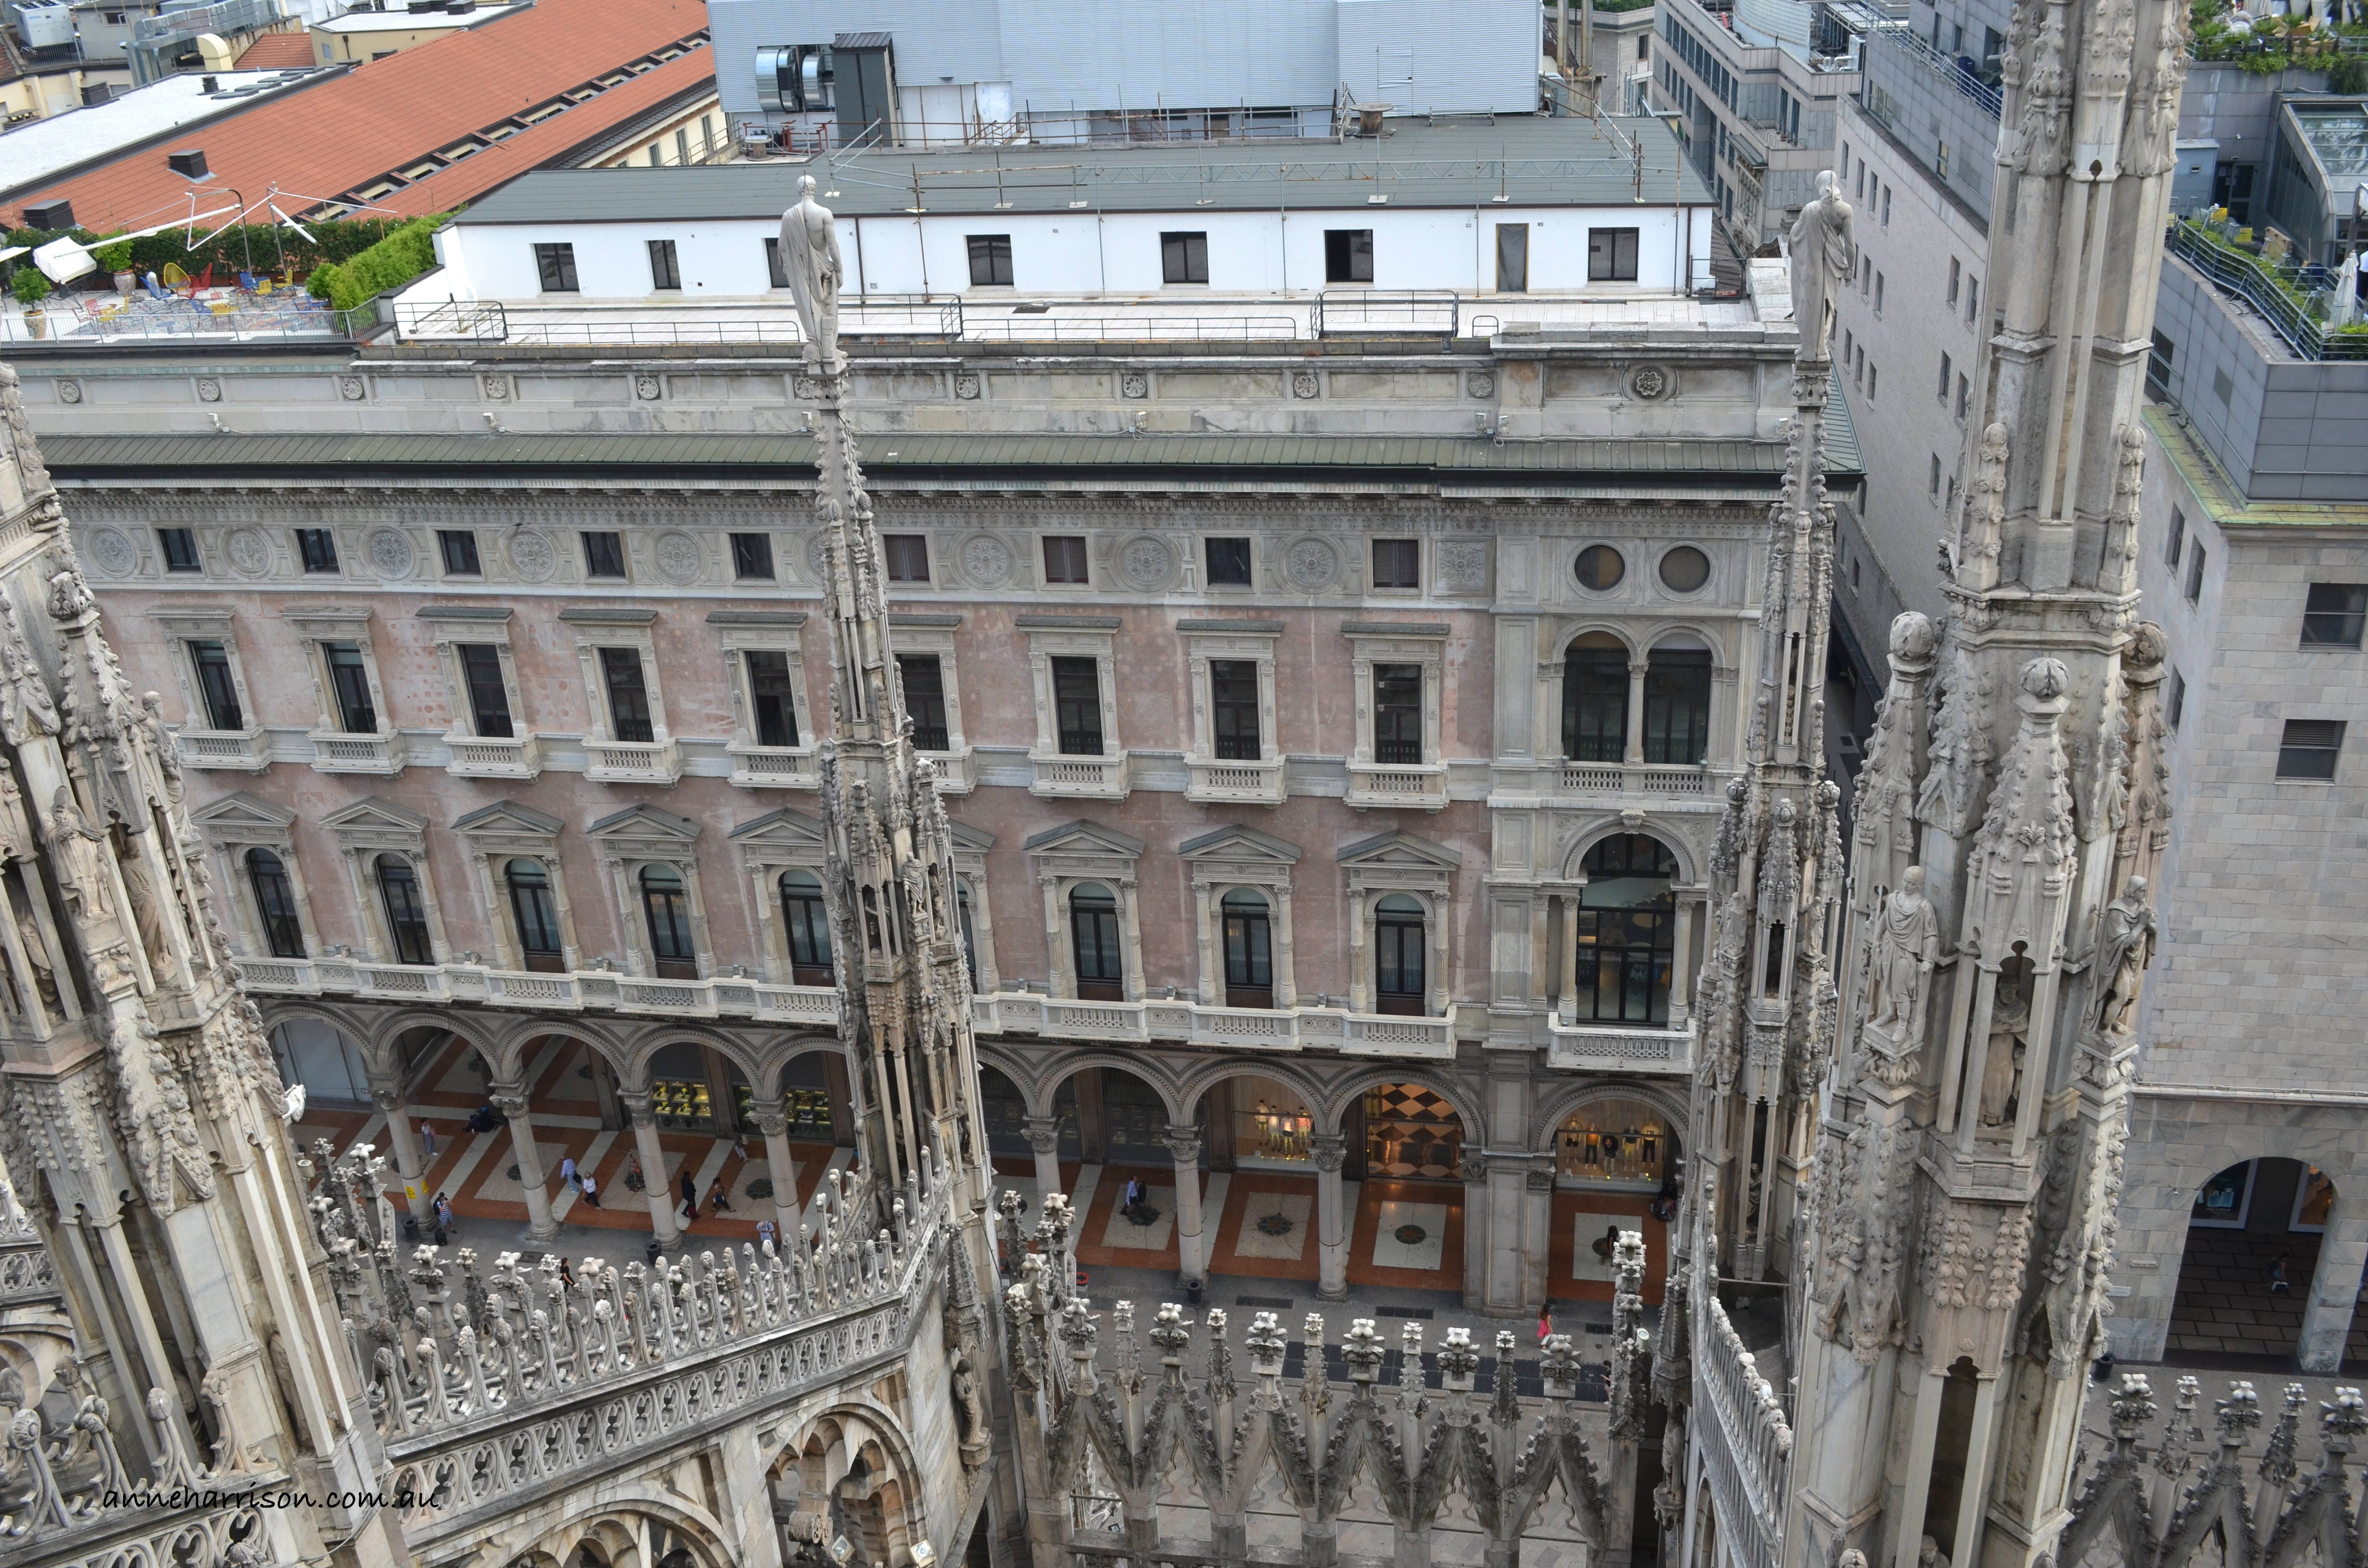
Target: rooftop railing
<point x="2291" y="299"/>
<point x="1747" y="1441"/>
<point x="1956" y="70"/>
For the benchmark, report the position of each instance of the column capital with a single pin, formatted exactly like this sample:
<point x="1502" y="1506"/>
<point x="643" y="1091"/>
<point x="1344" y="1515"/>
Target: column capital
<point x="1329" y="1151"/>
<point x="771" y="1116"/>
<point x="1184" y="1143"/>
<point x="508" y="1098"/>
<point x="387" y="1094"/>
<point x="1043" y="1133"/>
<point x="640" y="1107"/>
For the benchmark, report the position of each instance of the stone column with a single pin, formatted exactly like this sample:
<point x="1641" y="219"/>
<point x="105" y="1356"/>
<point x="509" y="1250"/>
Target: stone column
<point x="1184" y="1143"/>
<point x="1207" y="944"/>
<point x="509" y="1098"/>
<point x="1635" y="752"/>
<point x="772" y="1120"/>
<point x="387" y="1096"/>
<point x="1567" y="957"/>
<point x="1360" y="983"/>
<point x="1330" y="1151"/>
<point x="1286" y="966"/>
<point x="1044" y="1137"/>
<point x="1681" y="958"/>
<point x="2334" y="1292"/>
<point x="655" y="1187"/>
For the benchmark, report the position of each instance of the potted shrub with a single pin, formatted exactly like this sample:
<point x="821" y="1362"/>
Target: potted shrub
<point x="31" y="288"/>
<point x="116" y="259"/>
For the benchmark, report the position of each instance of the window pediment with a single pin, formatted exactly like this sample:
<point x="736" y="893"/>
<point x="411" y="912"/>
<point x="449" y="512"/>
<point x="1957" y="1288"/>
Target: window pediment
<point x="507" y="827"/>
<point x="782" y="838"/>
<point x="245" y="819"/>
<point x="375" y="823"/>
<point x="645" y="831"/>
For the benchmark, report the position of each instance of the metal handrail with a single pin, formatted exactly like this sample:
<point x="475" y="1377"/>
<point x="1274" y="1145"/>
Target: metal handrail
<point x="1135" y="329"/>
<point x="2241" y="277"/>
<point x="1396" y="312"/>
<point x="1949" y="68"/>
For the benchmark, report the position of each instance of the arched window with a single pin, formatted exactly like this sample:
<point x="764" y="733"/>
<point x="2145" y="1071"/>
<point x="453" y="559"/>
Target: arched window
<point x="1399" y="974"/>
<point x="407" y="911"/>
<point x="275" y="902"/>
<point x="1595" y="699"/>
<point x="667" y="909"/>
<point x="1626" y="922"/>
<point x="1677" y="706"/>
<point x="802" y="910"/>
<point x="1093" y="932"/>
<point x="536" y="914"/>
<point x="1249" y="949"/>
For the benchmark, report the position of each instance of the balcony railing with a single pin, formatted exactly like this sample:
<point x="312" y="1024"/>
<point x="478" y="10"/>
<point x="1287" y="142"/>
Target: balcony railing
<point x="1062" y="776"/>
<point x="722" y="996"/>
<point x="1747" y="1441"/>
<point x="1411" y="786"/>
<point x="2279" y="294"/>
<point x="493" y="756"/>
<point x="632" y="762"/>
<point x="1376" y="312"/>
<point x="1619" y="1047"/>
<point x="340" y="751"/>
<point x="241" y="751"/>
<point x="1622" y="778"/>
<point x="774" y="768"/>
<point x="957" y="770"/>
<point x="1190" y="1023"/>
<point x="1216" y="783"/>
<point x="1958" y="72"/>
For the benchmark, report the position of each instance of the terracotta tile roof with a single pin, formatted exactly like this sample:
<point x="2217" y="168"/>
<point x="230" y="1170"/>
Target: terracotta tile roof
<point x="392" y="114"/>
<point x="480" y="172"/>
<point x="278" y="52"/>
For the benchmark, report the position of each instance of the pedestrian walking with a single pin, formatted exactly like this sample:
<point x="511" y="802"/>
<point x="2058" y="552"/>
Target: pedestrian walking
<point x="2279" y="1285"/>
<point x="1545" y="1320"/>
<point x="591" y="1190"/>
<point x="716" y="1203"/>
<point x="766" y="1236"/>
<point x="567" y="1170"/>
<point x="428" y="1138"/>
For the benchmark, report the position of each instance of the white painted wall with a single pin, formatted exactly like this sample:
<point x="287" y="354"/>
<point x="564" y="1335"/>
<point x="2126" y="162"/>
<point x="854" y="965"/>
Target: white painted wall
<point x="1080" y="253"/>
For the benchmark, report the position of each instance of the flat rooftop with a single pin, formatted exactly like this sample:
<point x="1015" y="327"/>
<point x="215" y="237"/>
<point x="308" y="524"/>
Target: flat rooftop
<point x="44" y="148"/>
<point x="1520" y="160"/>
<point x="401" y="21"/>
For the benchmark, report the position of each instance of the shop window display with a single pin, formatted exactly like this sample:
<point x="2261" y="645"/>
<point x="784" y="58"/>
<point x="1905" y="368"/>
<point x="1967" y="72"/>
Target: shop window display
<point x="1411" y="1131"/>
<point x="1615" y="1141"/>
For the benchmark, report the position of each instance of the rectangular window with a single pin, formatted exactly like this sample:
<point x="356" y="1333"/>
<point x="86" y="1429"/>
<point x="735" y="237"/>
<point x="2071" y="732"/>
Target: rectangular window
<point x="1677" y="707"/>
<point x="2159" y="360"/>
<point x="1398" y="563"/>
<point x="1398" y="967"/>
<point x="180" y="548"/>
<point x="216" y="687"/>
<point x="1611" y="256"/>
<point x="2177" y="538"/>
<point x="924" y="700"/>
<point x="1947" y="370"/>
<point x="1935" y="482"/>
<point x="604" y="553"/>
<point x="1065" y="558"/>
<point x="489" y="698"/>
<point x="1229" y="562"/>
<point x="1964" y="394"/>
<point x="752" y="558"/>
<point x="1077" y="706"/>
<point x="1348" y="255"/>
<point x="318" y="549"/>
<point x="1397" y="713"/>
<point x="1972" y="298"/>
<point x="1512" y="258"/>
<point x="555" y="265"/>
<point x="2195" y="575"/>
<point x="2332" y="615"/>
<point x="628" y="695"/>
<point x="1102" y="970"/>
<point x="275" y="901"/>
<point x="350" y="685"/>
<point x="1886" y="206"/>
<point x="990" y="260"/>
<point x="1871" y="374"/>
<point x="769" y="697"/>
<point x="776" y="273"/>
<point x="1183" y="257"/>
<point x="1941" y="160"/>
<point x="665" y="272"/>
<point x="2177" y="705"/>
<point x="2309" y="747"/>
<point x="908" y="557"/>
<point x="459" y="548"/>
<point x="1234" y="709"/>
<point x="1956" y="278"/>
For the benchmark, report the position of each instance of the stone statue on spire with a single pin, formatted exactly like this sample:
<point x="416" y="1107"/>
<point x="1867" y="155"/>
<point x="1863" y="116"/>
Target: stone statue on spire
<point x="1825" y="255"/>
<point x="810" y="256"/>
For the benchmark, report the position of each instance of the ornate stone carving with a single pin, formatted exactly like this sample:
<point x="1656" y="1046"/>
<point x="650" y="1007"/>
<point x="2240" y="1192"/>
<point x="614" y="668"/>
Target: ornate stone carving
<point x="112" y="552"/>
<point x="986" y="561"/>
<point x="495" y="388"/>
<point x="1650" y="384"/>
<point x="1134" y="383"/>
<point x="677" y="559"/>
<point x="1147" y="562"/>
<point x="1480" y="383"/>
<point x="389" y="551"/>
<point x="1305" y="384"/>
<point x="1310" y="565"/>
<point x="209" y="389"/>
<point x="1460" y="566"/>
<point x="531" y="556"/>
<point x="2124" y="948"/>
<point x="810" y="256"/>
<point x="69" y="390"/>
<point x="353" y="389"/>
<point x="1825" y="255"/>
<point x="248" y="551"/>
<point x="646" y="388"/>
<point x="966" y="385"/>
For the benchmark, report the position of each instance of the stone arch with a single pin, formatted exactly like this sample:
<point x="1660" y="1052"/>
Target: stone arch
<point x="2276" y="1213"/>
<point x="640" y="1049"/>
<point x="1558" y="1109"/>
<point x="1196" y="1084"/>
<point x="1025" y="1070"/>
<point x="777" y="1058"/>
<point x="386" y="1030"/>
<point x="609" y="1520"/>
<point x="1150" y="1069"/>
<point x="849" y="1427"/>
<point x="518" y="1038"/>
<point x="1567" y="635"/>
<point x="1711" y="636"/>
<point x="1341" y="1093"/>
<point x="1666" y="831"/>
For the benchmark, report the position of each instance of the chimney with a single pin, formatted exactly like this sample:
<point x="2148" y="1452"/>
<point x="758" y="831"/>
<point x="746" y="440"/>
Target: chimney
<point x="210" y="84"/>
<point x="189" y="163"/>
<point x="51" y="217"/>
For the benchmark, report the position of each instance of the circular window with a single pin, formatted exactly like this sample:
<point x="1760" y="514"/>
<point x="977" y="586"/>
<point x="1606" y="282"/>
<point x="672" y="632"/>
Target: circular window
<point x="1684" y="569"/>
<point x="1599" y="567"/>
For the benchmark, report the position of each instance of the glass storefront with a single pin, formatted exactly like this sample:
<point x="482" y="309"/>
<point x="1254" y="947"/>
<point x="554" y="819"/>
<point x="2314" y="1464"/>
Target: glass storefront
<point x="1615" y="1141"/>
<point x="1411" y="1131"/>
<point x="1272" y="1124"/>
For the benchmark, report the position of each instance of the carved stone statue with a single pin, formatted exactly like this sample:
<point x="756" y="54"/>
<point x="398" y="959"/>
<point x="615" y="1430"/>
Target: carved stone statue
<point x="810" y="256"/>
<point x="975" y="1442"/>
<point x="1825" y="255"/>
<point x="81" y="857"/>
<point x="2009" y="1028"/>
<point x="2125" y="948"/>
<point x="1906" y="945"/>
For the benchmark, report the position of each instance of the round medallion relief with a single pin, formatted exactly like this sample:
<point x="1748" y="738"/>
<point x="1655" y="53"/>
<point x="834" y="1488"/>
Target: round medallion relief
<point x="677" y="557"/>
<point x="112" y="554"/>
<point x="1147" y="562"/>
<point x="986" y="561"/>
<point x="530" y="555"/>
<point x="249" y="551"/>
<point x="1651" y="381"/>
<point x="69" y="391"/>
<point x="1311" y="563"/>
<point x="819" y="556"/>
<point x="391" y="553"/>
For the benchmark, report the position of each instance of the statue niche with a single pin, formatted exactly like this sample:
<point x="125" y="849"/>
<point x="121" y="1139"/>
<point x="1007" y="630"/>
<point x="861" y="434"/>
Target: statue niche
<point x="1904" y="945"/>
<point x="2010" y="1042"/>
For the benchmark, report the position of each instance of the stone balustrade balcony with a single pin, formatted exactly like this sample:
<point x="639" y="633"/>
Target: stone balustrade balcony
<point x="1216" y="782"/>
<point x="493" y="756"/>
<point x="342" y="751"/>
<point x="723" y="997"/>
<point x="1619" y="1047"/>
<point x="957" y="770"/>
<point x="632" y="762"/>
<point x="1407" y="786"/>
<point x="239" y="750"/>
<point x="1066" y="776"/>
<point x="1676" y="781"/>
<point x="775" y="767"/>
<point x="1248" y="1028"/>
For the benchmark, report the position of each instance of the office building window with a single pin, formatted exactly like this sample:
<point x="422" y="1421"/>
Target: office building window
<point x="2309" y="747"/>
<point x="809" y="924"/>
<point x="1677" y="707"/>
<point x="2195" y="575"/>
<point x="1077" y="706"/>
<point x="180" y="548"/>
<point x="924" y="700"/>
<point x="628" y="695"/>
<point x="317" y="548"/>
<point x="665" y="272"/>
<point x="1972" y="298"/>
<point x="752" y="558"/>
<point x="604" y="554"/>
<point x="489" y="697"/>
<point x="908" y="557"/>
<point x="1400" y="970"/>
<point x="1964" y="394"/>
<point x="1956" y="278"/>
<point x="2158" y="362"/>
<point x="407" y="911"/>
<point x="1936" y="476"/>
<point x="1348" y="255"/>
<point x="460" y="549"/>
<point x="771" y="699"/>
<point x="2177" y="538"/>
<point x="2332" y="615"/>
<point x="1249" y="949"/>
<point x="216" y="686"/>
<point x="1611" y="256"/>
<point x="1065" y="558"/>
<point x="1229" y="562"/>
<point x="275" y="903"/>
<point x="1872" y="376"/>
<point x="2177" y="704"/>
<point x="990" y="260"/>
<point x="555" y="265"/>
<point x="1234" y="709"/>
<point x="350" y="685"/>
<point x="535" y="914"/>
<point x="1398" y="563"/>
<point x="1397" y="713"/>
<point x="775" y="272"/>
<point x="1947" y="370"/>
<point x="1093" y="935"/>
<point x="1183" y="258"/>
